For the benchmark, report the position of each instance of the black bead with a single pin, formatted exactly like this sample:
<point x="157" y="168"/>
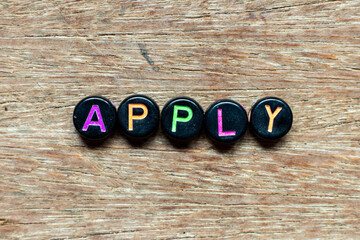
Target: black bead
<point x="138" y="116"/>
<point x="182" y="118"/>
<point x="94" y="117"/>
<point x="226" y="121"/>
<point x="270" y="118"/>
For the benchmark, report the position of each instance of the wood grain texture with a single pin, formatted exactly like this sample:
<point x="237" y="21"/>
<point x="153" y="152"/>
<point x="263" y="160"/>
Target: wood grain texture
<point x="55" y="186"/>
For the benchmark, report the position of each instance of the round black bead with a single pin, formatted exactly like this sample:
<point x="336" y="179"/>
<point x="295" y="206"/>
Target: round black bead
<point x="226" y="121"/>
<point x="94" y="117"/>
<point x="182" y="118"/>
<point x="138" y="116"/>
<point x="271" y="118"/>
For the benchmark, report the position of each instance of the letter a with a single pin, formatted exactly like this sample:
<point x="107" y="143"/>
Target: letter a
<point x="100" y="122"/>
<point x="136" y="117"/>
<point x="220" y="126"/>
<point x="272" y="116"/>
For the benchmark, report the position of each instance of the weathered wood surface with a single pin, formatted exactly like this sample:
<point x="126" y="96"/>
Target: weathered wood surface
<point x="54" y="53"/>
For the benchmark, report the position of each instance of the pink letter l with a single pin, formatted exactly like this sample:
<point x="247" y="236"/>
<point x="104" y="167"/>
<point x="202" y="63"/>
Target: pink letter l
<point x="220" y="126"/>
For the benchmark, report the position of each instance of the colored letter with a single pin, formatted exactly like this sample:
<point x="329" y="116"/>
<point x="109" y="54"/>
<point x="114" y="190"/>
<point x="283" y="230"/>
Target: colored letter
<point x="272" y="116"/>
<point x="100" y="122"/>
<point x="136" y="117"/>
<point x="178" y="119"/>
<point x="220" y="126"/>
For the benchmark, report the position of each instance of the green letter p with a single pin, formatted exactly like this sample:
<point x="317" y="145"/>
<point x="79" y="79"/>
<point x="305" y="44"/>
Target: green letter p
<point x="179" y="119"/>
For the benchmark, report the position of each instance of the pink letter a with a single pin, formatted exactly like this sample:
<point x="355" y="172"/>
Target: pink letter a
<point x="100" y="122"/>
<point x="220" y="126"/>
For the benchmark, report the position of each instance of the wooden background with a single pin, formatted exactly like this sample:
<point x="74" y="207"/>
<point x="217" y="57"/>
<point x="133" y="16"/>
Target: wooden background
<point x="55" y="186"/>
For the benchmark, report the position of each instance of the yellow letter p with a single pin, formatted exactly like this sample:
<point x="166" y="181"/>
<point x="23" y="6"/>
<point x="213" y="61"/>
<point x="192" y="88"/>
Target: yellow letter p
<point x="136" y="117"/>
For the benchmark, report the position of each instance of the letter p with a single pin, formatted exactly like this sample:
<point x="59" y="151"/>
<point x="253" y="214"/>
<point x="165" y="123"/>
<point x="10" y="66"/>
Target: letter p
<point x="176" y="119"/>
<point x="133" y="117"/>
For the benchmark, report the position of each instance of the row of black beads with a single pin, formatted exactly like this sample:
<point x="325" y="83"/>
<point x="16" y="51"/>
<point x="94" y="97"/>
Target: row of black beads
<point x="182" y="118"/>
